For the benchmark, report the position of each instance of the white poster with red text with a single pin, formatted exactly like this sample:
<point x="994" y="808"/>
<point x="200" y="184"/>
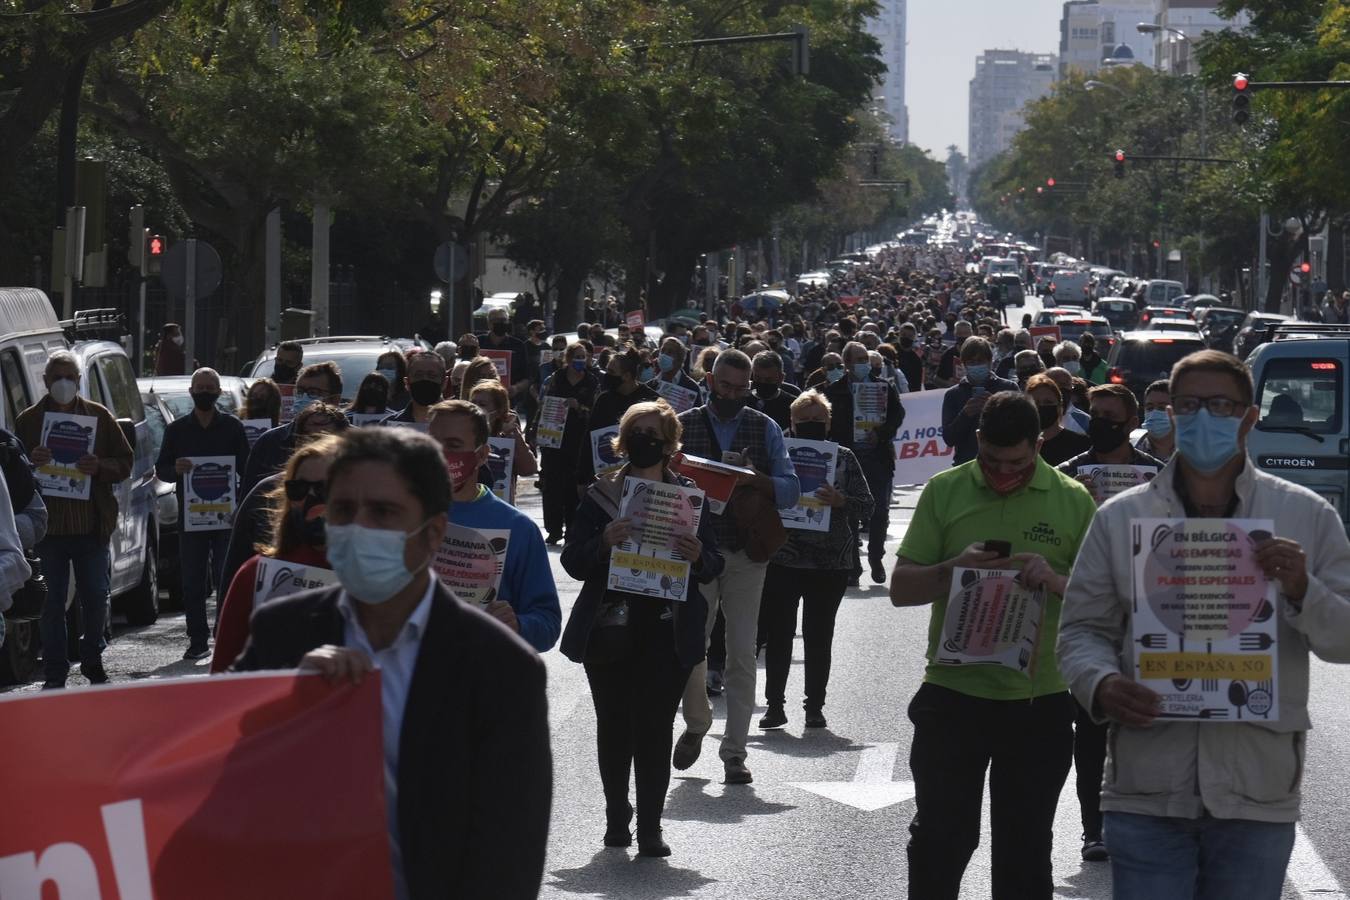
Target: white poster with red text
<point x="920" y="451"/>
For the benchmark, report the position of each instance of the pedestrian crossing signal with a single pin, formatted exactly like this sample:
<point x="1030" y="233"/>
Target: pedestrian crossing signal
<point x="154" y="255"/>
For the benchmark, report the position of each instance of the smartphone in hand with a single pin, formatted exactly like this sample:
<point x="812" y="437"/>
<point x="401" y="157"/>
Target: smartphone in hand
<point x="1002" y="548"/>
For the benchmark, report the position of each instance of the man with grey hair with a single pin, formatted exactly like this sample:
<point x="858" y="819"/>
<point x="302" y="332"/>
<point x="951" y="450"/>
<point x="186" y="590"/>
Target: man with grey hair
<point x="728" y="430"/>
<point x="207" y="431"/>
<point x="499" y="337"/>
<point x="1068" y="356"/>
<point x="1025" y="364"/>
<point x="77" y="530"/>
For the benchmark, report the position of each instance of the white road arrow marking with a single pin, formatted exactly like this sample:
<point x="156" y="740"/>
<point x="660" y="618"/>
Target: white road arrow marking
<point x="1309" y="874"/>
<point x="872" y="788"/>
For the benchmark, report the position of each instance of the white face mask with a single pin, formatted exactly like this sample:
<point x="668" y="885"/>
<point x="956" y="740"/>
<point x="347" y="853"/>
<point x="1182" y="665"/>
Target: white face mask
<point x="63" y="390"/>
<point x="1072" y="366"/>
<point x="178" y="339"/>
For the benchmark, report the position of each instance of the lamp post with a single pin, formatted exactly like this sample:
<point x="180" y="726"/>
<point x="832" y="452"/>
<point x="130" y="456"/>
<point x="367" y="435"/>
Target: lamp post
<point x="1093" y="85"/>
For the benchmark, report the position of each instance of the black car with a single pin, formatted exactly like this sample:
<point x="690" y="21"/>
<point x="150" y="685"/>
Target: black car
<point x="1218" y="325"/>
<point x="1140" y="358"/>
<point x="1254" y="332"/>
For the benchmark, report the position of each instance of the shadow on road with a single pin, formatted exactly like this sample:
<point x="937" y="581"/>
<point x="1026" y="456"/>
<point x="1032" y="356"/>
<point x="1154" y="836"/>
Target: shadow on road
<point x="812" y="744"/>
<point x="617" y="874"/>
<point x="689" y="802"/>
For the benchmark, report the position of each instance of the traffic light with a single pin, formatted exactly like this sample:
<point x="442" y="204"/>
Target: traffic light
<point x="1242" y="98"/>
<point x="1120" y="163"/>
<point x="1305" y="268"/>
<point x="154" y="253"/>
<point x="1050" y="182"/>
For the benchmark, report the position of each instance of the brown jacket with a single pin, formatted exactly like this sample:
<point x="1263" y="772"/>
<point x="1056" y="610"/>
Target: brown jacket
<point x="98" y="514"/>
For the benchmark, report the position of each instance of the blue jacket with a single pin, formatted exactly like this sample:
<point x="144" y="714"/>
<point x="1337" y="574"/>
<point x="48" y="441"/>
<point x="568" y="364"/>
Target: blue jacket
<point x="527" y="580"/>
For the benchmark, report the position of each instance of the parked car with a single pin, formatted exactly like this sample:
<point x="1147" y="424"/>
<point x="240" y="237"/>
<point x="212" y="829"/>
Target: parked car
<point x="1162" y="312"/>
<point x="1070" y="286"/>
<point x="1303" y="431"/>
<point x="1005" y="289"/>
<point x="1218" y="325"/>
<point x="175" y="392"/>
<point x="1253" y="332"/>
<point x="157" y="418"/>
<point x="1048" y="316"/>
<point x="1121" y="312"/>
<point x="1140" y="358"/>
<point x="355" y="356"/>
<point x="1160" y="291"/>
<point x="1071" y="328"/>
<point x="1186" y="326"/>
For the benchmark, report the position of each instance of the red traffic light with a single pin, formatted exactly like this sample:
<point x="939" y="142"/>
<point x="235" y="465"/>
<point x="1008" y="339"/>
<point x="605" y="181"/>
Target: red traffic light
<point x="156" y="245"/>
<point x="1305" y="268"/>
<point x="1157" y="244"/>
<point x="1049" y="182"/>
<point x="1240" y="82"/>
<point x="1039" y="189"/>
<point x="1120" y="156"/>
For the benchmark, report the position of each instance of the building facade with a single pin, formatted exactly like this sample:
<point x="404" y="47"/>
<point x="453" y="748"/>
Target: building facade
<point x="1091" y="33"/>
<point x="1193" y="18"/>
<point x="889" y="30"/>
<point x="1005" y="81"/>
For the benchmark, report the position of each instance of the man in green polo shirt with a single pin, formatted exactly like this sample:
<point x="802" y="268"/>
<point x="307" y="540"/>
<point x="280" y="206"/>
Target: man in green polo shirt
<point x="972" y="718"/>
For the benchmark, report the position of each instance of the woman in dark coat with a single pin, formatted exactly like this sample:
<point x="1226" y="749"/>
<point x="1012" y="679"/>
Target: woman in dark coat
<point x="577" y="385"/>
<point x="638" y="649"/>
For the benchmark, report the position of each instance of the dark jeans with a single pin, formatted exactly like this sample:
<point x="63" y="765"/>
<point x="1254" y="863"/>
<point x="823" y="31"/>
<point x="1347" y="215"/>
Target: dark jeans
<point x="635" y="703"/>
<point x="89" y="557"/>
<point x="1026" y="747"/>
<point x="879" y="477"/>
<point x="558" y="477"/>
<point x="820" y="591"/>
<point x="201" y="554"/>
<point x="1089" y="761"/>
<point x="1197" y="859"/>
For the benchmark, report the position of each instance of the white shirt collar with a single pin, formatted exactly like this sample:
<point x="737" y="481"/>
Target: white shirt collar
<point x="413" y="629"/>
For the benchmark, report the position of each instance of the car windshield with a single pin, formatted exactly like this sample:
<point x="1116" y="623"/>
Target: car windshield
<point x="1156" y="356"/>
<point x="1221" y="318"/>
<point x="180" y="402"/>
<point x="354" y="364"/>
<point x="1301" y="393"/>
<point x="1073" y="329"/>
<point x="1172" y="325"/>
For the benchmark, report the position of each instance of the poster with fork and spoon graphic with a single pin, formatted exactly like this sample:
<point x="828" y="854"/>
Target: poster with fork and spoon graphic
<point x="1204" y="616"/>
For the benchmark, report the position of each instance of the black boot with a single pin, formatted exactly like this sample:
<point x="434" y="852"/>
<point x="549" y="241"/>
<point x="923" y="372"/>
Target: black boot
<point x="616" y="826"/>
<point x="651" y="844"/>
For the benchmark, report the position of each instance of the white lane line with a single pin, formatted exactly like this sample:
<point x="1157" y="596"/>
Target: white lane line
<point x="1308" y="873"/>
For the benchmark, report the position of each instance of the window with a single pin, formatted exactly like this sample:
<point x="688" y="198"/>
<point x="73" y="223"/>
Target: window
<point x="120" y="383"/>
<point x="16" y="386"/>
<point x="1301" y="393"/>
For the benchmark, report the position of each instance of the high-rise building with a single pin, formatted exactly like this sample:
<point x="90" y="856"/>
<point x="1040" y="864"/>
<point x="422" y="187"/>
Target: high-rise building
<point x="889" y="29"/>
<point x="1005" y="81"/>
<point x="1193" y="18"/>
<point x="1092" y="32"/>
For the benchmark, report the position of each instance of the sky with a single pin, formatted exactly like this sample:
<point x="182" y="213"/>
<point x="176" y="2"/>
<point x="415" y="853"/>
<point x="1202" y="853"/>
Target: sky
<point x="945" y="36"/>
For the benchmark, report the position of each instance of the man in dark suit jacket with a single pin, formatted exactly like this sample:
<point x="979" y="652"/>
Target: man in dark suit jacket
<point x="468" y="770"/>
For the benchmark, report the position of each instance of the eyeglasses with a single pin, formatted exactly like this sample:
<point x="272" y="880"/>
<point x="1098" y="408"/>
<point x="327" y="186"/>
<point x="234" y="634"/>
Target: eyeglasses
<point x="312" y="393"/>
<point x="298" y="489"/>
<point x="1220" y="406"/>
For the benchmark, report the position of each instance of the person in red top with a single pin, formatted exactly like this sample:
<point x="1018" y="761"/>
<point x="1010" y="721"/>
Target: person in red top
<point x="297" y="537"/>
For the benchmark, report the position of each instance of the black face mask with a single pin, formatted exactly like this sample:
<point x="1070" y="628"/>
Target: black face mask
<point x="500" y="328"/>
<point x="765" y="390"/>
<point x="1106" y="435"/>
<point x="377" y="400"/>
<point x="727" y="407"/>
<point x="204" y="400"/>
<point x="810" y="431"/>
<point x="1049" y="415"/>
<point x="611" y="382"/>
<point x="311" y="530"/>
<point x="644" y="450"/>
<point x="425" y="393"/>
<point x="283" y="373"/>
<point x="906" y="342"/>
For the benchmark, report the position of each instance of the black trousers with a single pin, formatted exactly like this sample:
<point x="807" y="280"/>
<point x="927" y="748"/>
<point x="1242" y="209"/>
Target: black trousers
<point x="1089" y="762"/>
<point x="820" y="592"/>
<point x="635" y="704"/>
<point x="1026" y="746"/>
<point x="558" y="488"/>
<point x="879" y="477"/>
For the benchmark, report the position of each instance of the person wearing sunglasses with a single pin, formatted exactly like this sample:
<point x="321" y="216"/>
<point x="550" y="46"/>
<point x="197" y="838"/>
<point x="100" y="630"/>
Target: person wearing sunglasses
<point x="297" y="518"/>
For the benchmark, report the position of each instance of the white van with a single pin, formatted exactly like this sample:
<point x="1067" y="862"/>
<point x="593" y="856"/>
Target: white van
<point x="1160" y="292"/>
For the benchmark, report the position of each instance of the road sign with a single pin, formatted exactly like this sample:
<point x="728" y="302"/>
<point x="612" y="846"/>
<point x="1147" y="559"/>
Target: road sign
<point x="451" y="262"/>
<point x="174" y="270"/>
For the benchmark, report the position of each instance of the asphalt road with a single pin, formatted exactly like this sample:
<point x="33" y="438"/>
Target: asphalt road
<point x="827" y="814"/>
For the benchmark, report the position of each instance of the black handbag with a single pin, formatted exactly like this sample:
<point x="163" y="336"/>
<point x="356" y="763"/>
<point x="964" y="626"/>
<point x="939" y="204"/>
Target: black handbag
<point x="27" y="601"/>
<point x="611" y="638"/>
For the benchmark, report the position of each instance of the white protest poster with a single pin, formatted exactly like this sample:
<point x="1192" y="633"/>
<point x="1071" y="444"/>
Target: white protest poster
<point x="277" y="578"/>
<point x="814" y="462"/>
<point x="208" y="493"/>
<point x="603" y="456"/>
<point x="502" y="463"/>
<point x="1205" y="619"/>
<point x="360" y="420"/>
<point x="470" y="562"/>
<point x="869" y="408"/>
<point x="920" y="451"/>
<point x="423" y="427"/>
<point x="1108" y="480"/>
<point x="991" y="620"/>
<point x="287" y="401"/>
<point x="68" y="437"/>
<point x="552" y="421"/>
<point x="254" y="429"/>
<point x="679" y="398"/>
<point x="647" y="562"/>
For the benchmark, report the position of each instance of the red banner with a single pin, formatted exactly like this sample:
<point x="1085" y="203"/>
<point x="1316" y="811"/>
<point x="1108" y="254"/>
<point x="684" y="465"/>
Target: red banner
<point x="635" y="318"/>
<point x="258" y="786"/>
<point x="502" y="360"/>
<point x="849" y="300"/>
<point x="1040" y="331"/>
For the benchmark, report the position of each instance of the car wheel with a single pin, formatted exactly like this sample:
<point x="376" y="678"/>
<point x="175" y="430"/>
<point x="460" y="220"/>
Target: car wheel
<point x="141" y="604"/>
<point x="19" y="656"/>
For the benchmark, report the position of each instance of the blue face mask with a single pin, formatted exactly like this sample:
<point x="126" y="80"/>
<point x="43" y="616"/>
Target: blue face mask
<point x="833" y="375"/>
<point x="977" y="374"/>
<point x="1157" y="423"/>
<point x="1207" y="441"/>
<point x="579" y="365"/>
<point x="648" y="373"/>
<point x="369" y="561"/>
<point x="861" y="371"/>
<point x="667" y="362"/>
<point x="389" y="375"/>
<point x="301" y="402"/>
